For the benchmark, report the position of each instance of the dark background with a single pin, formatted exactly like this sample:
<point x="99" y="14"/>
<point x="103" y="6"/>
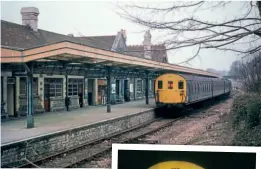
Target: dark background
<point x="143" y="159"/>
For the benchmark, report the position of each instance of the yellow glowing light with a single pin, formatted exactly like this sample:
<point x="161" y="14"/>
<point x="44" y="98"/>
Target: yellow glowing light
<point x="175" y="165"/>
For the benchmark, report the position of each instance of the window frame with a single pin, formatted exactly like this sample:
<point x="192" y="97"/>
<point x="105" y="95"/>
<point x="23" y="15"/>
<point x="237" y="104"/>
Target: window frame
<point x="139" y="85"/>
<point x="160" y="84"/>
<point x="170" y="85"/>
<point x="181" y="82"/>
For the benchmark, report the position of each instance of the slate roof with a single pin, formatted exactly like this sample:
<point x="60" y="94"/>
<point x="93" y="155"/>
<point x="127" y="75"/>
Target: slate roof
<point x="158" y="52"/>
<point x="102" y="42"/>
<point x="19" y="36"/>
<point x="22" y="37"/>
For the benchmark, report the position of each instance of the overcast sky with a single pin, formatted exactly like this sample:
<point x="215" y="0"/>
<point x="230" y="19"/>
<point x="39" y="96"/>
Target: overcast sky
<point x="90" y="18"/>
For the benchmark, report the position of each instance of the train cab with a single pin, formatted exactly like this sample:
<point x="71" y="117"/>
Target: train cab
<point x="170" y="89"/>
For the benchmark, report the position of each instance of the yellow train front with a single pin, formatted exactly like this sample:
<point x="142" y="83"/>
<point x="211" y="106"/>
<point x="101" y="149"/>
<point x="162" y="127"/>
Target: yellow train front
<point x="174" y="90"/>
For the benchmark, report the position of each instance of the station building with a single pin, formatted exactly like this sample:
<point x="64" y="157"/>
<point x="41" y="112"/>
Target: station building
<point x="50" y="90"/>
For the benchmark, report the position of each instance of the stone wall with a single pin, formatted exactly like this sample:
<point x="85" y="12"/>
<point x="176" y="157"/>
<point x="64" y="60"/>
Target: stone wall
<point x="35" y="148"/>
<point x="74" y="102"/>
<point x="57" y="104"/>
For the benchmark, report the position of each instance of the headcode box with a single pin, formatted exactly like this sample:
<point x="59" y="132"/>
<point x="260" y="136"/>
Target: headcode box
<point x="143" y="156"/>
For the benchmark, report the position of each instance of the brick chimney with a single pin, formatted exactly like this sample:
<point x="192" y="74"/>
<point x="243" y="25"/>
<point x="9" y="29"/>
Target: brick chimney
<point x="30" y="17"/>
<point x="147" y="45"/>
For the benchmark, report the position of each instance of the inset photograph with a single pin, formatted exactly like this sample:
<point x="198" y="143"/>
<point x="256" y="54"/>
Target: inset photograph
<point x="187" y="159"/>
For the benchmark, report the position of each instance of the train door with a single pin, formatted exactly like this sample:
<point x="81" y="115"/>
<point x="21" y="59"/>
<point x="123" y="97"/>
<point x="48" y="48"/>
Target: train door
<point x="176" y="90"/>
<point x="180" y="94"/>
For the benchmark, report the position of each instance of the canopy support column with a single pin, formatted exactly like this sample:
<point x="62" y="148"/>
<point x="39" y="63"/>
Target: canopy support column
<point x="30" y="109"/>
<point x="147" y="88"/>
<point x="109" y="76"/>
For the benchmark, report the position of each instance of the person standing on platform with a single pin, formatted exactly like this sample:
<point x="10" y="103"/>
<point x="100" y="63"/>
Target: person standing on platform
<point x="67" y="102"/>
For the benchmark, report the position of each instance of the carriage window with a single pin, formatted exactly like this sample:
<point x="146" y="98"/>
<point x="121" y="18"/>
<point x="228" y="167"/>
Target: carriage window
<point x="160" y="84"/>
<point x="170" y="84"/>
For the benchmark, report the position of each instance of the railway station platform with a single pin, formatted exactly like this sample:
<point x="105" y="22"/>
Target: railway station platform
<point x="47" y="123"/>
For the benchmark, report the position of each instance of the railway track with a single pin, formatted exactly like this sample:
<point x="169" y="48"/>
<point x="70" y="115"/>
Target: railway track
<point x="96" y="149"/>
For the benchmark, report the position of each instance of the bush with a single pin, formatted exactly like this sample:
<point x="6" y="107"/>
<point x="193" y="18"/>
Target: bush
<point x="248" y="137"/>
<point x="246" y="111"/>
<point x="246" y="118"/>
<point x="253" y="114"/>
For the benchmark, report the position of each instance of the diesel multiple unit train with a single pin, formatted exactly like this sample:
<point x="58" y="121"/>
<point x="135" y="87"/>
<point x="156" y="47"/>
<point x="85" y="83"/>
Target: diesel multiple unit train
<point x="175" y="90"/>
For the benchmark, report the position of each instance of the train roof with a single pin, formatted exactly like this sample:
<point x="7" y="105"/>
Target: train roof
<point x="200" y="78"/>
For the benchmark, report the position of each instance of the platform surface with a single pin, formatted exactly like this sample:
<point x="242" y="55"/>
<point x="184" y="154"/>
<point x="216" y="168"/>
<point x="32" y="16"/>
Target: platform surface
<point x="15" y="130"/>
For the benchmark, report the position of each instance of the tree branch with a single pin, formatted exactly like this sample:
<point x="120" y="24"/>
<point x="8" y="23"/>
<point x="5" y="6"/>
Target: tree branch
<point x="206" y="34"/>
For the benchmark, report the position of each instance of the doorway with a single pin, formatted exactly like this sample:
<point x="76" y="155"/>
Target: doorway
<point x="126" y="91"/>
<point x="10" y="97"/>
<point x="47" y="97"/>
<point x="90" y="90"/>
<point x="118" y="88"/>
<point x="80" y="93"/>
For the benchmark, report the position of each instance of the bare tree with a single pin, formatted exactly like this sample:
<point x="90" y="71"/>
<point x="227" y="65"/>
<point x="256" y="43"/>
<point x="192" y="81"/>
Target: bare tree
<point x="186" y="28"/>
<point x="235" y="70"/>
<point x="249" y="72"/>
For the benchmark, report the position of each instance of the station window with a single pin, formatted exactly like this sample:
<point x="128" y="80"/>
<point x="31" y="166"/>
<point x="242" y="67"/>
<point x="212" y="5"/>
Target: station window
<point x="160" y="84"/>
<point x="139" y="85"/>
<point x="53" y="87"/>
<point x="75" y="86"/>
<point x="23" y="86"/>
<point x="170" y="84"/>
<point x="181" y="84"/>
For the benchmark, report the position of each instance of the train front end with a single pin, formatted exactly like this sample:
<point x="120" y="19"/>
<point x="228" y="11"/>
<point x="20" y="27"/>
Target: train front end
<point x="170" y="90"/>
